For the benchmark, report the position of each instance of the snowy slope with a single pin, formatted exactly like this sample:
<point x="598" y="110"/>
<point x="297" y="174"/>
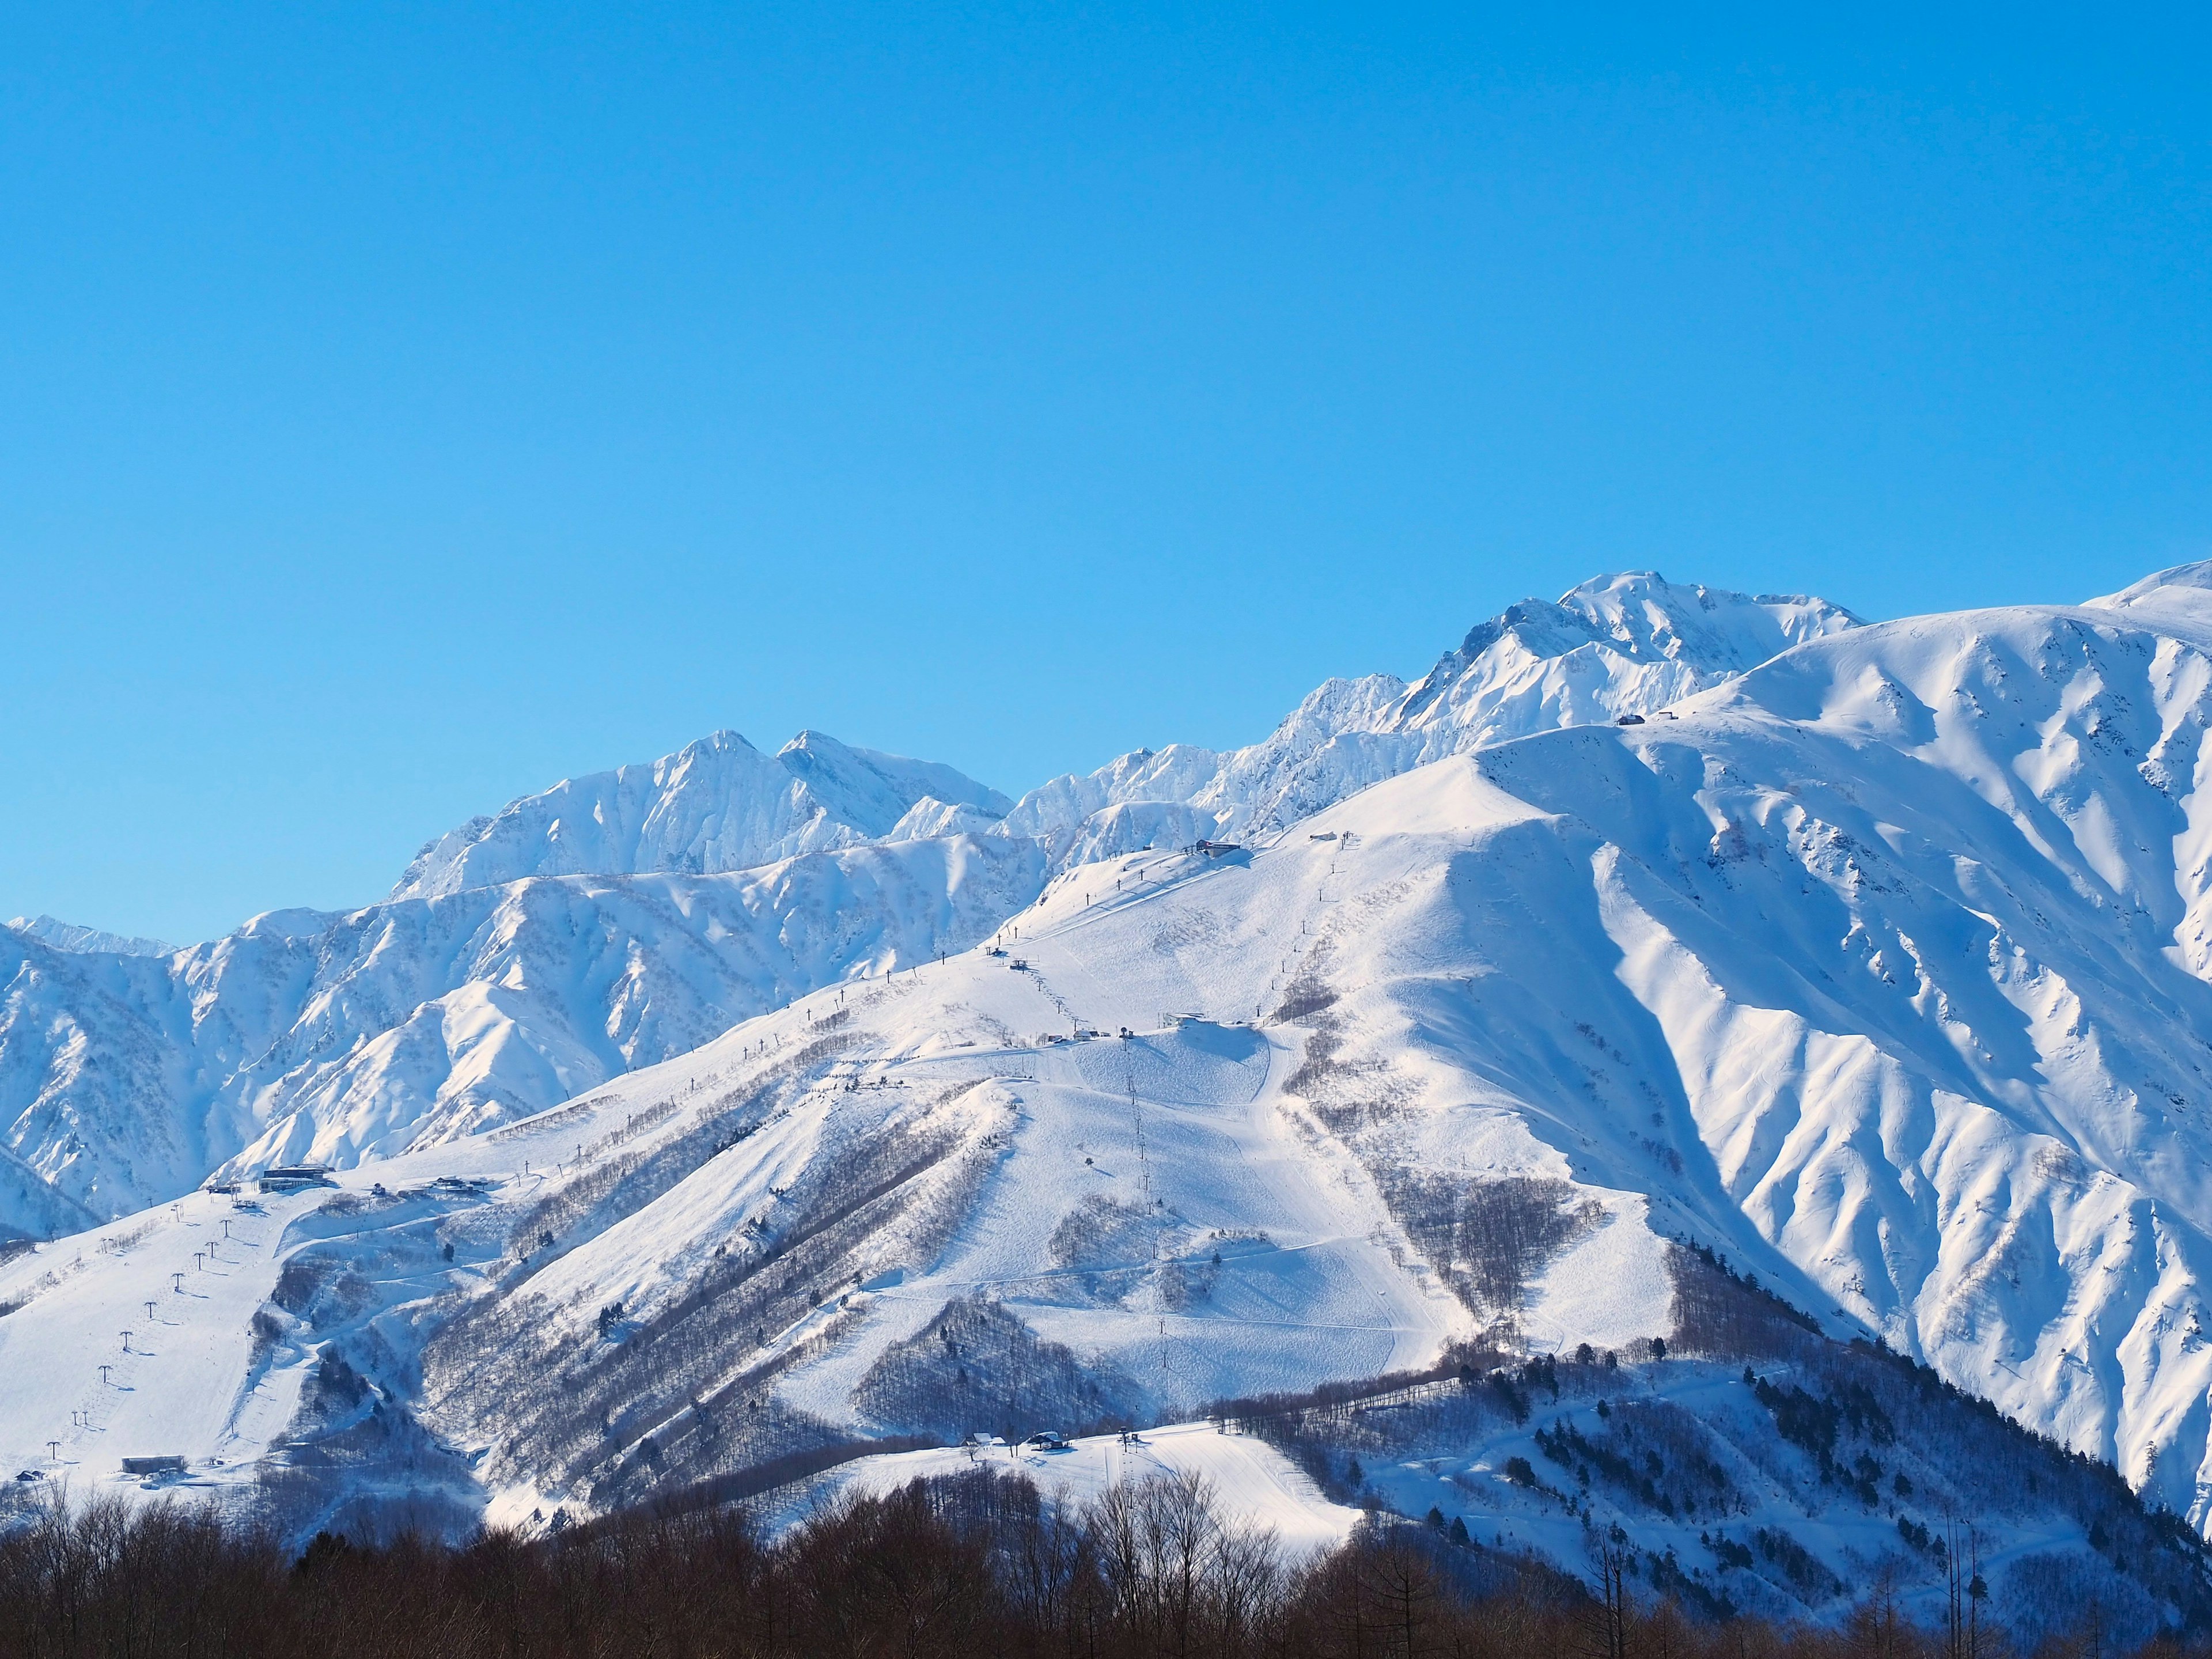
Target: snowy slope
<point x="1252" y="1483"/>
<point x="819" y="1221"/>
<point x="1882" y="967"/>
<point x="916" y="1153"/>
<point x="126" y="1080"/>
<point x="717" y="805"/>
<point x="32" y="1208"/>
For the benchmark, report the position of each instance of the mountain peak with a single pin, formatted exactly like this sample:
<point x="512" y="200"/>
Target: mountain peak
<point x="1629" y="643"/>
<point x="718" y="804"/>
<point x="1604" y="635"/>
<point x="721" y="741"/>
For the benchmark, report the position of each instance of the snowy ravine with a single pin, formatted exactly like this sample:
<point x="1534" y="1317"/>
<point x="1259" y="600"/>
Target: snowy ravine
<point x="514" y="965"/>
<point x="1879" y="968"/>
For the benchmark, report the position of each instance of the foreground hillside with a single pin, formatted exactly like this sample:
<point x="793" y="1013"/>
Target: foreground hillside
<point x="952" y="1555"/>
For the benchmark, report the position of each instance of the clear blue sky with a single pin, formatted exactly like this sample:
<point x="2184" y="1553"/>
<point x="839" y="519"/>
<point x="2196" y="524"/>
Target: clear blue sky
<point x="405" y="407"/>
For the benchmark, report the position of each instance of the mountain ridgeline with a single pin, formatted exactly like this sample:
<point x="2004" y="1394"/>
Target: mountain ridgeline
<point x="623" y="918"/>
<point x="1696" y="1044"/>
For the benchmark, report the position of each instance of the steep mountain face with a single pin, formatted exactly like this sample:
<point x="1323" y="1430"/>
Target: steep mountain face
<point x="1909" y="926"/>
<point x="304" y="1035"/>
<point x="37" y="1208"/>
<point x="715" y="805"/>
<point x="1616" y="646"/>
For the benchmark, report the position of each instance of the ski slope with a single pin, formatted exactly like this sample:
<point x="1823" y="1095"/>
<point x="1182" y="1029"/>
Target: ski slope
<point x="1880" y="967"/>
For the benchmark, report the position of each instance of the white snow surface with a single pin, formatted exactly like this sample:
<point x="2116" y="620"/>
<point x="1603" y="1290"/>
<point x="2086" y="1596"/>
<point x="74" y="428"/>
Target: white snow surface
<point x="68" y="936"/>
<point x="1883" y="967"/>
<point x="125" y="1080"/>
<point x="485" y="989"/>
<point x="715" y="805"/>
<point x="1252" y="1485"/>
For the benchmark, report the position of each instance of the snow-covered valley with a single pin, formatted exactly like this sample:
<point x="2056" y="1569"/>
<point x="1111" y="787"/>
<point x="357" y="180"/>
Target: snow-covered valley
<point x="1872" y="958"/>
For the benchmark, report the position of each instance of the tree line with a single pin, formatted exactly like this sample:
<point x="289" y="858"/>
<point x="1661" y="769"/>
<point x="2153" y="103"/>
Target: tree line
<point x="971" y="1567"/>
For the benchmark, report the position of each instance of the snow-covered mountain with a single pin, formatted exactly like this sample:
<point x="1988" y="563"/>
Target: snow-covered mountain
<point x="715" y="805"/>
<point x="1882" y="968"/>
<point x="1616" y="646"/>
<point x="68" y="936"/>
<point x="356" y="1034"/>
<point x="126" y="1080"/>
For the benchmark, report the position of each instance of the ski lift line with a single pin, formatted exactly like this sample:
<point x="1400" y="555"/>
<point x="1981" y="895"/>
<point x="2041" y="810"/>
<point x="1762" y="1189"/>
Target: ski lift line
<point x="1141" y="895"/>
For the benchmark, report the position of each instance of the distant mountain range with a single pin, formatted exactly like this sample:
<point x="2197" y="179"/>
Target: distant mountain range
<point x="1657" y="926"/>
<point x="66" y="936"/>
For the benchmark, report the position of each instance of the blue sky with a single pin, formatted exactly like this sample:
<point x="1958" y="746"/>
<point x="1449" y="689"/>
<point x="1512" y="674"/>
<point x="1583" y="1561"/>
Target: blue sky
<point x="407" y="406"/>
